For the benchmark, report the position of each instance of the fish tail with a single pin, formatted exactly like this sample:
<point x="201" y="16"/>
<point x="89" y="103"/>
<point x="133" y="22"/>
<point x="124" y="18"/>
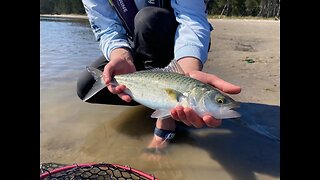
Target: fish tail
<point x="98" y="85"/>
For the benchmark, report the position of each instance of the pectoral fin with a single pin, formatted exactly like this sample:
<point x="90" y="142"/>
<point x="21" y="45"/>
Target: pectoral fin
<point x="173" y="94"/>
<point x="161" y="113"/>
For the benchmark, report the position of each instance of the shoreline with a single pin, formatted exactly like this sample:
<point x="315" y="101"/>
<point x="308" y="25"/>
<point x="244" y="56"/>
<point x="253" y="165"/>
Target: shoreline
<point x="76" y="16"/>
<point x="80" y="16"/>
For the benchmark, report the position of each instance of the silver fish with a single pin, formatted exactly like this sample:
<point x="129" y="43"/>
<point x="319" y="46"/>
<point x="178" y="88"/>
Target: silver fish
<point x="166" y="88"/>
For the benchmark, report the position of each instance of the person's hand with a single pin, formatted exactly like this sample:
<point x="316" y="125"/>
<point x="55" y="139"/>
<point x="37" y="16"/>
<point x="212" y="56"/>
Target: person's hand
<point x="188" y="116"/>
<point x="121" y="62"/>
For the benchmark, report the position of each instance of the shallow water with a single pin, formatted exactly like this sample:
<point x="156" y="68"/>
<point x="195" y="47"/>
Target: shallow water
<point x="72" y="131"/>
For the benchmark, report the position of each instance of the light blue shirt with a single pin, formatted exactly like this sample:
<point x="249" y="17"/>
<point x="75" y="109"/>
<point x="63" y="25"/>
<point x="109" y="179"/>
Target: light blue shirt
<point x="192" y="35"/>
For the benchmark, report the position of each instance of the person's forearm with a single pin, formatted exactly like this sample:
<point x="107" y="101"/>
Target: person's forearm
<point x="190" y="64"/>
<point x="192" y="37"/>
<point x="106" y="26"/>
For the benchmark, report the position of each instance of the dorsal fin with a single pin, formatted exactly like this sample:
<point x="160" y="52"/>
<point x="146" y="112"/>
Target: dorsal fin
<point x="172" y="67"/>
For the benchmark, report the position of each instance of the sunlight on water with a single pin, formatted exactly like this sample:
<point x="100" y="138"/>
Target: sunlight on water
<point x="65" y="47"/>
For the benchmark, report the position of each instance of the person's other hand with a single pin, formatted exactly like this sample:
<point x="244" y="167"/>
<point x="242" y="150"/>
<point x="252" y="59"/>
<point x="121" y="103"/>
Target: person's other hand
<point x="188" y="116"/>
<point x="121" y="62"/>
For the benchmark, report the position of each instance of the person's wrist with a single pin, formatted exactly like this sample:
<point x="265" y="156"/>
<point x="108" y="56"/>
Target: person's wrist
<point x="121" y="54"/>
<point x="190" y="64"/>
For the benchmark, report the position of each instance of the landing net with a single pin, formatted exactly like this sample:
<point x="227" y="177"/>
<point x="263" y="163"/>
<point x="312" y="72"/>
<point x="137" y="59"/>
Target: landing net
<point x="96" y="171"/>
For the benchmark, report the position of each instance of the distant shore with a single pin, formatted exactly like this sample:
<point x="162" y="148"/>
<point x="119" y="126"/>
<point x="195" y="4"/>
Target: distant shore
<point x="77" y="16"/>
<point x="83" y="16"/>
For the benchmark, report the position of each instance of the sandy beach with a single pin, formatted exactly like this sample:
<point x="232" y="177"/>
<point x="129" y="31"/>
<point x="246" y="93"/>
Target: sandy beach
<point x="76" y="16"/>
<point x="245" y="52"/>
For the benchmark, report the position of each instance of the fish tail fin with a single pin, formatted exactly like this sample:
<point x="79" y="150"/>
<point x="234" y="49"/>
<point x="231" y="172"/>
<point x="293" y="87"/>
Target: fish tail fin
<point x="96" y="73"/>
<point x="98" y="85"/>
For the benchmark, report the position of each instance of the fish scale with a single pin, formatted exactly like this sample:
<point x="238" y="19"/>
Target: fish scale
<point x="174" y="81"/>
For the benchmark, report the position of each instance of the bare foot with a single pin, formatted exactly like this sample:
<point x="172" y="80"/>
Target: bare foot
<point x="157" y="143"/>
<point x="155" y="149"/>
<point x="163" y="132"/>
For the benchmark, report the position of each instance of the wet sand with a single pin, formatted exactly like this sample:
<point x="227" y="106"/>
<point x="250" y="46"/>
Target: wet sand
<point x="243" y="52"/>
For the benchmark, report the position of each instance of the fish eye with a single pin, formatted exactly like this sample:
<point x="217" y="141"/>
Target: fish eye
<point x="220" y="100"/>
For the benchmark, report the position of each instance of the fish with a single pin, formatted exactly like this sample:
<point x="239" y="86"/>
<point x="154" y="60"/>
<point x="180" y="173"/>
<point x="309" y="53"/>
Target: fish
<point x="163" y="89"/>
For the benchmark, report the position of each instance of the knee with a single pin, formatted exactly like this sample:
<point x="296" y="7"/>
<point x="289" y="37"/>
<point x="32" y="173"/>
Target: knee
<point x="153" y="18"/>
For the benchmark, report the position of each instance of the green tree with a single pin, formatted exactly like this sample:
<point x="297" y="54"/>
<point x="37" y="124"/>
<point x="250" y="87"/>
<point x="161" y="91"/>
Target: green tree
<point x="238" y="8"/>
<point x="269" y="8"/>
<point x="252" y="7"/>
<point x="61" y="7"/>
<point x="77" y="7"/>
<point x="46" y="6"/>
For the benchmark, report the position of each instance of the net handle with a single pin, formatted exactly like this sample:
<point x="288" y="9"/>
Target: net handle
<point x="46" y="174"/>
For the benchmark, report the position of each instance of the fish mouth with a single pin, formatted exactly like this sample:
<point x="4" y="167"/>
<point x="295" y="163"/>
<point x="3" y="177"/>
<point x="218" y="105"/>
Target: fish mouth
<point x="229" y="112"/>
<point x="233" y="106"/>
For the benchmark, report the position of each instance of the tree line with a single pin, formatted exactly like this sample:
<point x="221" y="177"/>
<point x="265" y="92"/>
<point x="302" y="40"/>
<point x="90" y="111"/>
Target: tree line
<point x="259" y="8"/>
<point x="255" y="8"/>
<point x="61" y="7"/>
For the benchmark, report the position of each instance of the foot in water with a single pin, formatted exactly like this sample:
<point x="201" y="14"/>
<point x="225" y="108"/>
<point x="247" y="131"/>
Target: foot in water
<point x="156" y="149"/>
<point x="157" y="145"/>
<point x="163" y="133"/>
<point x="160" y="141"/>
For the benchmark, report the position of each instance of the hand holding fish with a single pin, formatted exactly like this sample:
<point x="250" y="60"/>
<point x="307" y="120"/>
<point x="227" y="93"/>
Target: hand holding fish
<point x="188" y="116"/>
<point x="121" y="62"/>
<point x="215" y="81"/>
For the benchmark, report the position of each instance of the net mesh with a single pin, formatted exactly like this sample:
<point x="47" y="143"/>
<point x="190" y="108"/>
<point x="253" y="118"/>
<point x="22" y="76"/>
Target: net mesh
<point x="55" y="171"/>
